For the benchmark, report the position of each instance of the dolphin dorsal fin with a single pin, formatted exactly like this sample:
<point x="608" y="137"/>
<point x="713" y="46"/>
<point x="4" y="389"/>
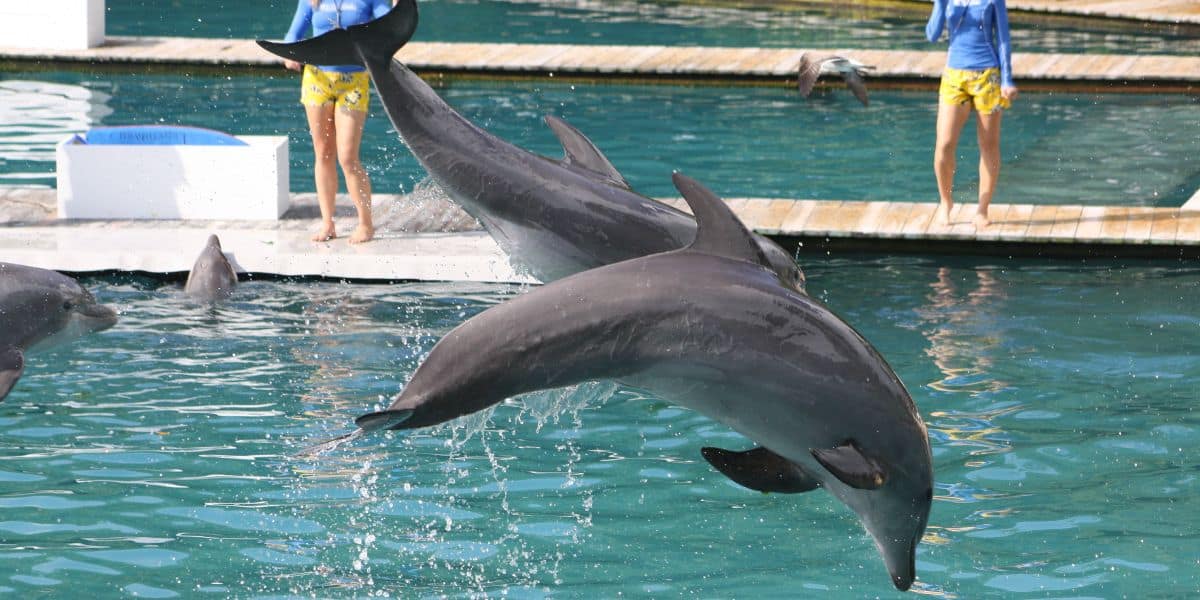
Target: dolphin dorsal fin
<point x="718" y="230"/>
<point x="853" y="468"/>
<point x="581" y="152"/>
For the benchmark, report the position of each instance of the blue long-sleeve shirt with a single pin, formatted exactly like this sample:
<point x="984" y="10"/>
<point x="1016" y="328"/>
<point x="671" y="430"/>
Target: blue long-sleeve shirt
<point x="331" y="14"/>
<point x="978" y="35"/>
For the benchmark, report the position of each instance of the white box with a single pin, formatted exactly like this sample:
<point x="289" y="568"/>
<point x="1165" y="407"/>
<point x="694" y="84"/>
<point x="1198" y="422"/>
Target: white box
<point x="57" y="24"/>
<point x="98" y="181"/>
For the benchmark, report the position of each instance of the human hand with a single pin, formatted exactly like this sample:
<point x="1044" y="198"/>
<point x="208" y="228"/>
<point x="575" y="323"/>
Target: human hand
<point x="292" y="65"/>
<point x="1009" y="92"/>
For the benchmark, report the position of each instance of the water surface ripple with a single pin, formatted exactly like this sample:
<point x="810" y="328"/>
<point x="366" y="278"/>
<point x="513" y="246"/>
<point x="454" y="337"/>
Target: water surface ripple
<point x="156" y="460"/>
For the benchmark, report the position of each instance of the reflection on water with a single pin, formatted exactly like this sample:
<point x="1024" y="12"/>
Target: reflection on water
<point x="34" y="117"/>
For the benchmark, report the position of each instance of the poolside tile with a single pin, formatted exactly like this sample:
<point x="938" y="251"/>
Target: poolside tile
<point x="787" y="63"/>
<point x="1141" y="222"/>
<point x="869" y="222"/>
<point x="1165" y="226"/>
<point x="797" y="217"/>
<point x="1114" y="223"/>
<point x="1015" y="223"/>
<point x="997" y="213"/>
<point x="757" y="213"/>
<point x="891" y="224"/>
<point x="824" y="218"/>
<point x="919" y="219"/>
<point x="1066" y="221"/>
<point x="1091" y="222"/>
<point x="846" y="219"/>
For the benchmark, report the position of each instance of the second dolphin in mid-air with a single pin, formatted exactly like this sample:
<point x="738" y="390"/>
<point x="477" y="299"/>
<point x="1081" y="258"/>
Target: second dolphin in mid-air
<point x="713" y="328"/>
<point x="212" y="278"/>
<point x="40" y="308"/>
<point x="555" y="217"/>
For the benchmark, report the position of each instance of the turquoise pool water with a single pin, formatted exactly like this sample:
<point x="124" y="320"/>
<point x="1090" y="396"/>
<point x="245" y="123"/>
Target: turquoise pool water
<point x="651" y="22"/>
<point x="153" y="459"/>
<point x="766" y="142"/>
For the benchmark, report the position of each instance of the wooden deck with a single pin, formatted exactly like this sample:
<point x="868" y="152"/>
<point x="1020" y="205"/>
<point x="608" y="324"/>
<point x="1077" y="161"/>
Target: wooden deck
<point x="651" y="63"/>
<point x="1159" y="11"/>
<point x="433" y="239"/>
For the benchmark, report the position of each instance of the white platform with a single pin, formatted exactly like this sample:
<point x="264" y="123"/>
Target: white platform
<point x="53" y="24"/>
<point x="469" y="256"/>
<point x="174" y="182"/>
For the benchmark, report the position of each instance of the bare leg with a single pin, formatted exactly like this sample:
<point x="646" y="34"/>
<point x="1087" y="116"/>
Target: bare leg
<point x="349" y="138"/>
<point x="988" y="127"/>
<point x="320" y="124"/>
<point x="950" y="121"/>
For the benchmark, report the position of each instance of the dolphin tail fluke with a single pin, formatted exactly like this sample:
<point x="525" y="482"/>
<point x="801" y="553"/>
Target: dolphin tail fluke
<point x="373" y="42"/>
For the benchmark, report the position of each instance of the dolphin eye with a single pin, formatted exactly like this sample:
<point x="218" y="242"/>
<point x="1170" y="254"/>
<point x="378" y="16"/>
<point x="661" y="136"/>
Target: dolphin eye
<point x="929" y="494"/>
<point x="68" y="305"/>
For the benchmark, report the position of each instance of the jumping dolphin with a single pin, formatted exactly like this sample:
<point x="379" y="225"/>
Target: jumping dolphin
<point x="38" y="309"/>
<point x="814" y="65"/>
<point x="212" y="278"/>
<point x="713" y="328"/>
<point x="554" y="217"/>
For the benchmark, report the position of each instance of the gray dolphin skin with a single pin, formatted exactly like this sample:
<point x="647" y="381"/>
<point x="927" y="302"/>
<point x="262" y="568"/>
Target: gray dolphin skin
<point x="40" y="308"/>
<point x="212" y="278"/>
<point x="713" y="328"/>
<point x="813" y="65"/>
<point x="553" y="217"/>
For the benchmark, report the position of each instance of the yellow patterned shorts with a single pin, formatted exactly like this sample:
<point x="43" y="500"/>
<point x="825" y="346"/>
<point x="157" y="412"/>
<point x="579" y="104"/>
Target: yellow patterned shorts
<point x="982" y="87"/>
<point x="348" y="91"/>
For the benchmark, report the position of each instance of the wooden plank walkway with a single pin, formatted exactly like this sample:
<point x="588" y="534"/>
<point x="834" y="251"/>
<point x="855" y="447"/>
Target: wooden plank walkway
<point x="430" y="238"/>
<point x="653" y="63"/>
<point x="1159" y="11"/>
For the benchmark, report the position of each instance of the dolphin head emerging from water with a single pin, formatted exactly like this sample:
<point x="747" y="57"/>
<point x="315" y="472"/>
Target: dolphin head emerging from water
<point x="554" y="217"/>
<point x="710" y="327"/>
<point x="40" y="308"/>
<point x="212" y="278"/>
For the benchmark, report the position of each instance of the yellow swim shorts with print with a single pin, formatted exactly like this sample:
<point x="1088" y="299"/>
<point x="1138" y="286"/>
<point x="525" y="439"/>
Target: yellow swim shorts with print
<point x="348" y="91"/>
<point x="981" y="87"/>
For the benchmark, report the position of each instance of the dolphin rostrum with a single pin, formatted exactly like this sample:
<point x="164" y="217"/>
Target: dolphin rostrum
<point x="554" y="217"/>
<point x="711" y="327"/>
<point x="212" y="278"/>
<point x="813" y="65"/>
<point x="40" y="308"/>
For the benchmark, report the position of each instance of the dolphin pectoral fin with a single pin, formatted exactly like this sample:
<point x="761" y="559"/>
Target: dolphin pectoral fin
<point x="12" y="364"/>
<point x="581" y="152"/>
<point x="384" y="419"/>
<point x="853" y="468"/>
<point x="761" y="470"/>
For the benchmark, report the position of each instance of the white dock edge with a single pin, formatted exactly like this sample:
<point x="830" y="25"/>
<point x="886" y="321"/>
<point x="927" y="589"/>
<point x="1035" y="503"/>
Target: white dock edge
<point x="471" y="256"/>
<point x="173" y="182"/>
<point x="1193" y="203"/>
<point x="52" y="24"/>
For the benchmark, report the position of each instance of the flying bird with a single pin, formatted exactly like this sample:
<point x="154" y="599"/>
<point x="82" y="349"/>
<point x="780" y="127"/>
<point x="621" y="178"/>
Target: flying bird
<point x="813" y="66"/>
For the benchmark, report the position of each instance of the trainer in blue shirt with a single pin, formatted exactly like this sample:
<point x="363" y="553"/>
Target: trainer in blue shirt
<point x="978" y="74"/>
<point x="335" y="99"/>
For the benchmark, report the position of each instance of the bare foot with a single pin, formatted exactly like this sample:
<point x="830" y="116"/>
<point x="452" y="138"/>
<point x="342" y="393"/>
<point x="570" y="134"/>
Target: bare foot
<point x="362" y="233"/>
<point x="326" y="233"/>
<point x="981" y="221"/>
<point x="942" y="215"/>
